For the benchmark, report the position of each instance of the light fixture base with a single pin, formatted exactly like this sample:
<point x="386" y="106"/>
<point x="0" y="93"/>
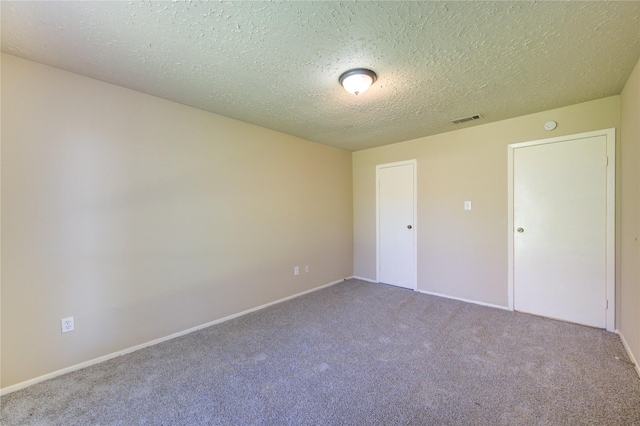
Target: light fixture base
<point x="357" y="80"/>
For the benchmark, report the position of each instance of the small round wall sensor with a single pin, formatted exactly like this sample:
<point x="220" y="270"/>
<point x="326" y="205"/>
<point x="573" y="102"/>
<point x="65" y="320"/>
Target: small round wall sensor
<point x="550" y="125"/>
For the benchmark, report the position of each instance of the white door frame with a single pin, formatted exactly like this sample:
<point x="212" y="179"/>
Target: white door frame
<point x="610" y="277"/>
<point x="414" y="273"/>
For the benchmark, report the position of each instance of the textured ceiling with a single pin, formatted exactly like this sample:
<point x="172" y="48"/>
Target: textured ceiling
<point x="276" y="64"/>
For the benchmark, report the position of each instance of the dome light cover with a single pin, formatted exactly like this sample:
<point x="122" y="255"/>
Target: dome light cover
<point x="358" y="80"/>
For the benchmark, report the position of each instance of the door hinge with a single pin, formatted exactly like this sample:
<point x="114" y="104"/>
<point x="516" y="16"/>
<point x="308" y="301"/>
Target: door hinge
<point x="606" y="163"/>
<point x="607" y="304"/>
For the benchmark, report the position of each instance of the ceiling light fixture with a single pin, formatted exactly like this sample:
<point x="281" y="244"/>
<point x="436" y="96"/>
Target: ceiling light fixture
<point x="358" y="80"/>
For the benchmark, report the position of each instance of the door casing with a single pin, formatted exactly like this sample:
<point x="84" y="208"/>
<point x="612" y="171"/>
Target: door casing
<point x="610" y="222"/>
<point x="414" y="272"/>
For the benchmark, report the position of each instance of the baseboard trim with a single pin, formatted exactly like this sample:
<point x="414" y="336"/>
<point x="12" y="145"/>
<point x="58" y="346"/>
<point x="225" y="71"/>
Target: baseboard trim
<point x="475" y="302"/>
<point x="30" y="382"/>
<point x="363" y="279"/>
<point x="629" y="353"/>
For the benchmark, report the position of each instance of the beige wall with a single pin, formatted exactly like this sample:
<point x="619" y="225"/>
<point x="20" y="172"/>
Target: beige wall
<point x="630" y="213"/>
<point x="463" y="254"/>
<point x="141" y="217"/>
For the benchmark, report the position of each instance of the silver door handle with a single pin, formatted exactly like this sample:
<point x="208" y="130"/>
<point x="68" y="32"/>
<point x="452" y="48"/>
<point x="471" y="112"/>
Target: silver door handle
<point x="520" y="230"/>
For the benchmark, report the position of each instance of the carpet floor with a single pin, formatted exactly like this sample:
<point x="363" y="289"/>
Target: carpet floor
<point x="355" y="353"/>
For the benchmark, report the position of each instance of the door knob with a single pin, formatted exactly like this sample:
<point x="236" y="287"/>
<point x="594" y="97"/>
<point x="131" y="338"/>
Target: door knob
<point x="409" y="226"/>
<point x="520" y="230"/>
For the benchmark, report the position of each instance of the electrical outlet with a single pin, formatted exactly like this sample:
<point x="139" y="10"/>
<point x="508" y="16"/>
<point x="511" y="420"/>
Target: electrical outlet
<point x="306" y="269"/>
<point x="296" y="270"/>
<point x="67" y="324"/>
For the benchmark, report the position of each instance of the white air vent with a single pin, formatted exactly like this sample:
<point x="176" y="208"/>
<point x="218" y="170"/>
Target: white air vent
<point x="465" y="119"/>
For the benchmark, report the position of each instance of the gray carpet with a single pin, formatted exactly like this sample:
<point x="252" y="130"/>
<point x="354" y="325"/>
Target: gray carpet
<point x="354" y="353"/>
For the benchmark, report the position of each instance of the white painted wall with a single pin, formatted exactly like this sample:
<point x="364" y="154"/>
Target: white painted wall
<point x="141" y="217"/>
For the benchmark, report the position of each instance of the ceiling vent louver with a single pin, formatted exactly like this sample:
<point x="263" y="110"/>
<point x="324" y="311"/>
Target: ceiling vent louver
<point x="465" y="119"/>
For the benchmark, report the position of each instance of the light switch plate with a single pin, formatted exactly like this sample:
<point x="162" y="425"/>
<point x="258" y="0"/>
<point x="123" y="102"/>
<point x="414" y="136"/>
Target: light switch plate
<point x="467" y="205"/>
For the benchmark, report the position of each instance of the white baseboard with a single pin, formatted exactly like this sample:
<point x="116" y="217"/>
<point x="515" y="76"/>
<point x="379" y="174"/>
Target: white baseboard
<point x="629" y="353"/>
<point x="475" y="302"/>
<point x="363" y="279"/>
<point x="27" y="383"/>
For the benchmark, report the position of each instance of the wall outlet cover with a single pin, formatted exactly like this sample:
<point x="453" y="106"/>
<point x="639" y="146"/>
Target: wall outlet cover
<point x="67" y="324"/>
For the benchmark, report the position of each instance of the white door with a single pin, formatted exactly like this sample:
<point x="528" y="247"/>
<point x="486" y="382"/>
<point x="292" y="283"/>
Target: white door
<point x="396" y="223"/>
<point x="560" y="230"/>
